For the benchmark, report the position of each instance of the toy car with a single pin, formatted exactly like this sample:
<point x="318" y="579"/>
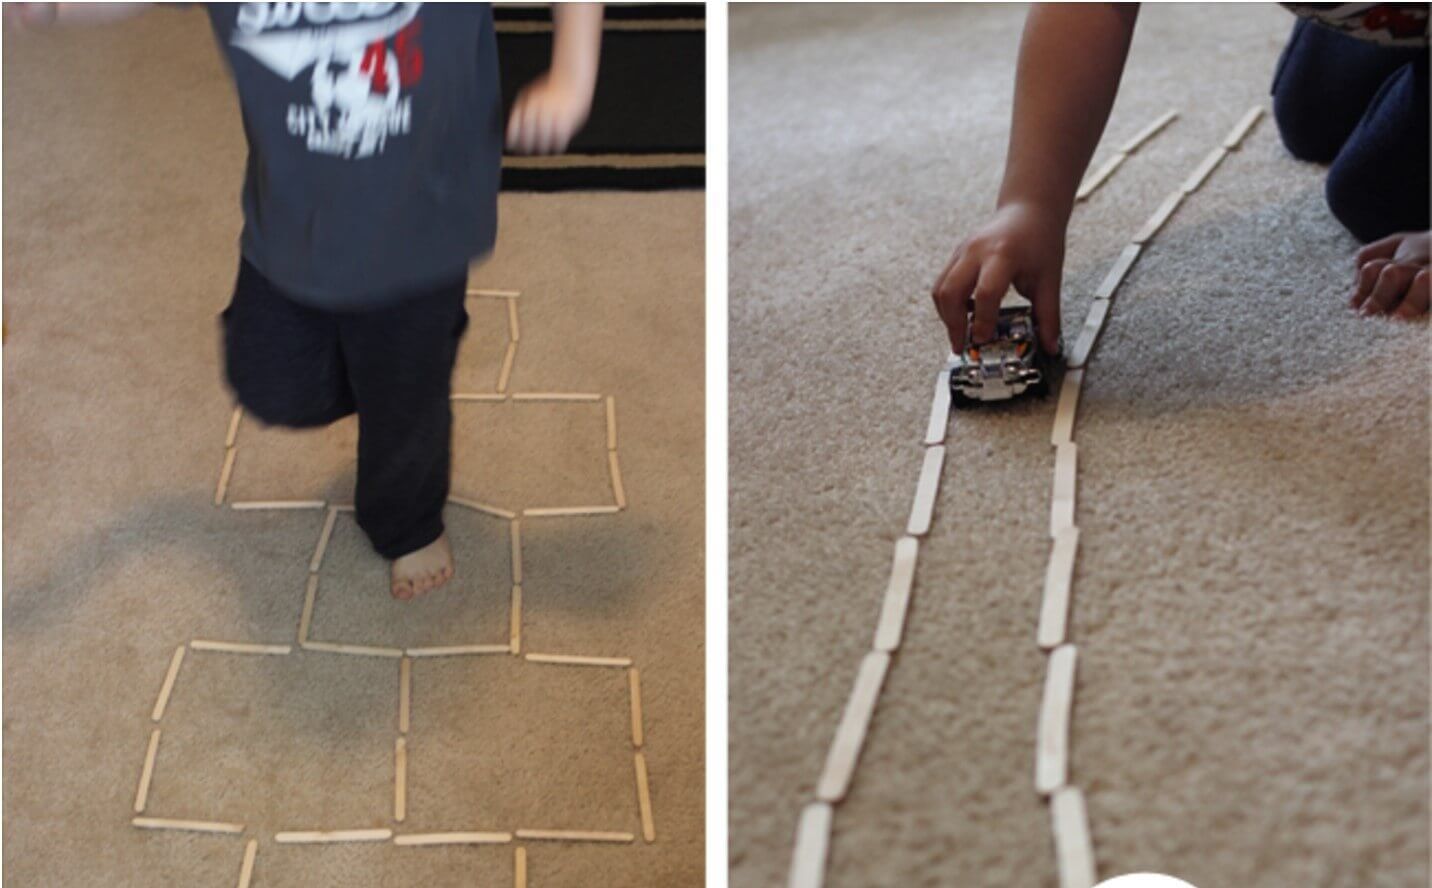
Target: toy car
<point x="1008" y="365"/>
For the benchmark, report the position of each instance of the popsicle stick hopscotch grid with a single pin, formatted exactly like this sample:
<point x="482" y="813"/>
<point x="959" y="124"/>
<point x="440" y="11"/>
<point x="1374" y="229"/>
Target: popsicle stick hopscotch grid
<point x="1069" y="826"/>
<point x="642" y="807"/>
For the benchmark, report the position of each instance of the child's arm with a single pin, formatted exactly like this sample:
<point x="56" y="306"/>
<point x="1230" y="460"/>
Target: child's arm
<point x="1070" y="59"/>
<point x="550" y="110"/>
<point x="41" y="15"/>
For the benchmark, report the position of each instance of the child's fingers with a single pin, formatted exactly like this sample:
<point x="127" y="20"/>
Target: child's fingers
<point x="1379" y="249"/>
<point x="1046" y="314"/>
<point x="1366" y="280"/>
<point x="952" y="296"/>
<point x="993" y="283"/>
<point x="1391" y="285"/>
<point x="1414" y="304"/>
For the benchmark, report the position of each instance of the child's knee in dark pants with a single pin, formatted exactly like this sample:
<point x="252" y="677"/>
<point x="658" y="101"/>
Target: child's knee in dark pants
<point x="290" y="403"/>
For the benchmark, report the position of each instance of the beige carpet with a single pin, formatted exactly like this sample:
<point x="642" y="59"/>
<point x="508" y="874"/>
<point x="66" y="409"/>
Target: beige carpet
<point x="1252" y="585"/>
<point x="122" y="169"/>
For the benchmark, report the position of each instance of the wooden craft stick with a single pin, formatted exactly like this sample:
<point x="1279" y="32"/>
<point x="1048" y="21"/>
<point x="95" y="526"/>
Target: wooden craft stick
<point x="850" y="735"/>
<point x="476" y="506"/>
<point x="1160" y="216"/>
<point x="897" y="595"/>
<point x="573" y="835"/>
<point x="643" y="799"/>
<point x="573" y="660"/>
<point x="224" y="474"/>
<point x="1205" y="167"/>
<point x="505" y="375"/>
<point x="357" y="650"/>
<point x="318" y="837"/>
<point x="1089" y="333"/>
<point x="405" y="694"/>
<point x="1148" y="132"/>
<point x="556" y="396"/>
<point x="1054" y="611"/>
<point x="478" y="396"/>
<point x="514" y="635"/>
<point x="939" y="423"/>
<point x="345" y="507"/>
<point x="1061" y="509"/>
<point x="1241" y="128"/>
<point x="634" y="680"/>
<point x="234" y="647"/>
<point x="611" y="423"/>
<point x="254" y="505"/>
<point x="495" y="294"/>
<point x="306" y="618"/>
<point x="519" y="867"/>
<point x="400" y="779"/>
<point x="1095" y="179"/>
<point x="1051" y="765"/>
<point x="453" y="838"/>
<point x="317" y="560"/>
<point x="233" y="434"/>
<point x="246" y="871"/>
<point x="1073" y="848"/>
<point x="922" y="510"/>
<point x="812" y="845"/>
<point x="459" y="650"/>
<point x="517" y="551"/>
<point x="513" y="330"/>
<point x="616" y="469"/>
<point x="1120" y="270"/>
<point x="569" y="511"/>
<point x="1068" y="405"/>
<point x="204" y="826"/>
<point x="141" y="798"/>
<point x="168" y="687"/>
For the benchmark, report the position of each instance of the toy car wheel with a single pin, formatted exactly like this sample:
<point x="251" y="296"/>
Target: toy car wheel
<point x="960" y="400"/>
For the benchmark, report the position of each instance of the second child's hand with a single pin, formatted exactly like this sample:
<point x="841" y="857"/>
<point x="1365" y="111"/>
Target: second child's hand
<point x="549" y="111"/>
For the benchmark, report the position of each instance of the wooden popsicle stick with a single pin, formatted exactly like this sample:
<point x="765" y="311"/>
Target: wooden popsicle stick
<point x="141" y="798"/>
<point x="891" y="626"/>
<point x="1148" y="132"/>
<point x="1073" y="848"/>
<point x="634" y="681"/>
<point x="519" y="867"/>
<point x="405" y="694"/>
<point x="233" y="434"/>
<point x="556" y="396"/>
<point x="1063" y="432"/>
<point x="459" y="650"/>
<point x="1061" y="509"/>
<point x="1095" y="179"/>
<point x="1089" y="333"/>
<point x="615" y="466"/>
<point x="1160" y="216"/>
<point x="224" y="474"/>
<point x="514" y="635"/>
<point x="168" y="687"/>
<point x="235" y="647"/>
<point x="573" y="835"/>
<point x="505" y="374"/>
<point x="1051" y="765"/>
<point x="1054" y="611"/>
<point x="357" y="650"/>
<point x="812" y="845"/>
<point x="317" y="560"/>
<point x="305" y="619"/>
<point x="494" y="294"/>
<point x="476" y="506"/>
<point x="643" y="799"/>
<point x="611" y="423"/>
<point x="453" y="838"/>
<point x="513" y="330"/>
<point x="569" y="511"/>
<point x="318" y="837"/>
<point x="922" y="510"/>
<point x="939" y="423"/>
<point x="574" y="660"/>
<point x="400" y="779"/>
<point x="253" y="505"/>
<point x="345" y="507"/>
<point x="1241" y="128"/>
<point x="850" y="735"/>
<point x="478" y="396"/>
<point x="1205" y="168"/>
<point x="246" y="871"/>
<point x="1120" y="270"/>
<point x="517" y="552"/>
<point x="204" y="826"/>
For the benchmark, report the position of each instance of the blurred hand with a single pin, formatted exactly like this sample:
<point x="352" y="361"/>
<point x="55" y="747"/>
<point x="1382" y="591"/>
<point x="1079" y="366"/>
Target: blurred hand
<point x="1023" y="245"/>
<point x="548" y="112"/>
<point x="1392" y="276"/>
<point x="30" y="16"/>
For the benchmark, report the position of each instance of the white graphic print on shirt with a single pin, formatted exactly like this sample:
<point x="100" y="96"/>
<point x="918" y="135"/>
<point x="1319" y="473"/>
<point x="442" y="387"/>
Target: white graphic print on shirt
<point x="357" y="79"/>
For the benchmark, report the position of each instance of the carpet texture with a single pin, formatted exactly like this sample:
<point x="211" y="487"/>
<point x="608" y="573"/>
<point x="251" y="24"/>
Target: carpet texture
<point x="122" y="173"/>
<point x="1251" y="593"/>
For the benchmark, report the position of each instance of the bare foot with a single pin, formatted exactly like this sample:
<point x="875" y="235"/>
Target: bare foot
<point x="418" y="573"/>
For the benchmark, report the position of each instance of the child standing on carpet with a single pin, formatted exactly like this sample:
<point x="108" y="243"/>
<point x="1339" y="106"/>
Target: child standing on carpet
<point x="1350" y="90"/>
<point x="375" y="147"/>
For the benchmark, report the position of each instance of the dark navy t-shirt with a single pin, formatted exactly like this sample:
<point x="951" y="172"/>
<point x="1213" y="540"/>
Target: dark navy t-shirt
<point x="375" y="143"/>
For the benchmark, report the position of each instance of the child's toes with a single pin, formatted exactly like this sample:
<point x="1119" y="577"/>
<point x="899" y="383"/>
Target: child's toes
<point x="402" y="590"/>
